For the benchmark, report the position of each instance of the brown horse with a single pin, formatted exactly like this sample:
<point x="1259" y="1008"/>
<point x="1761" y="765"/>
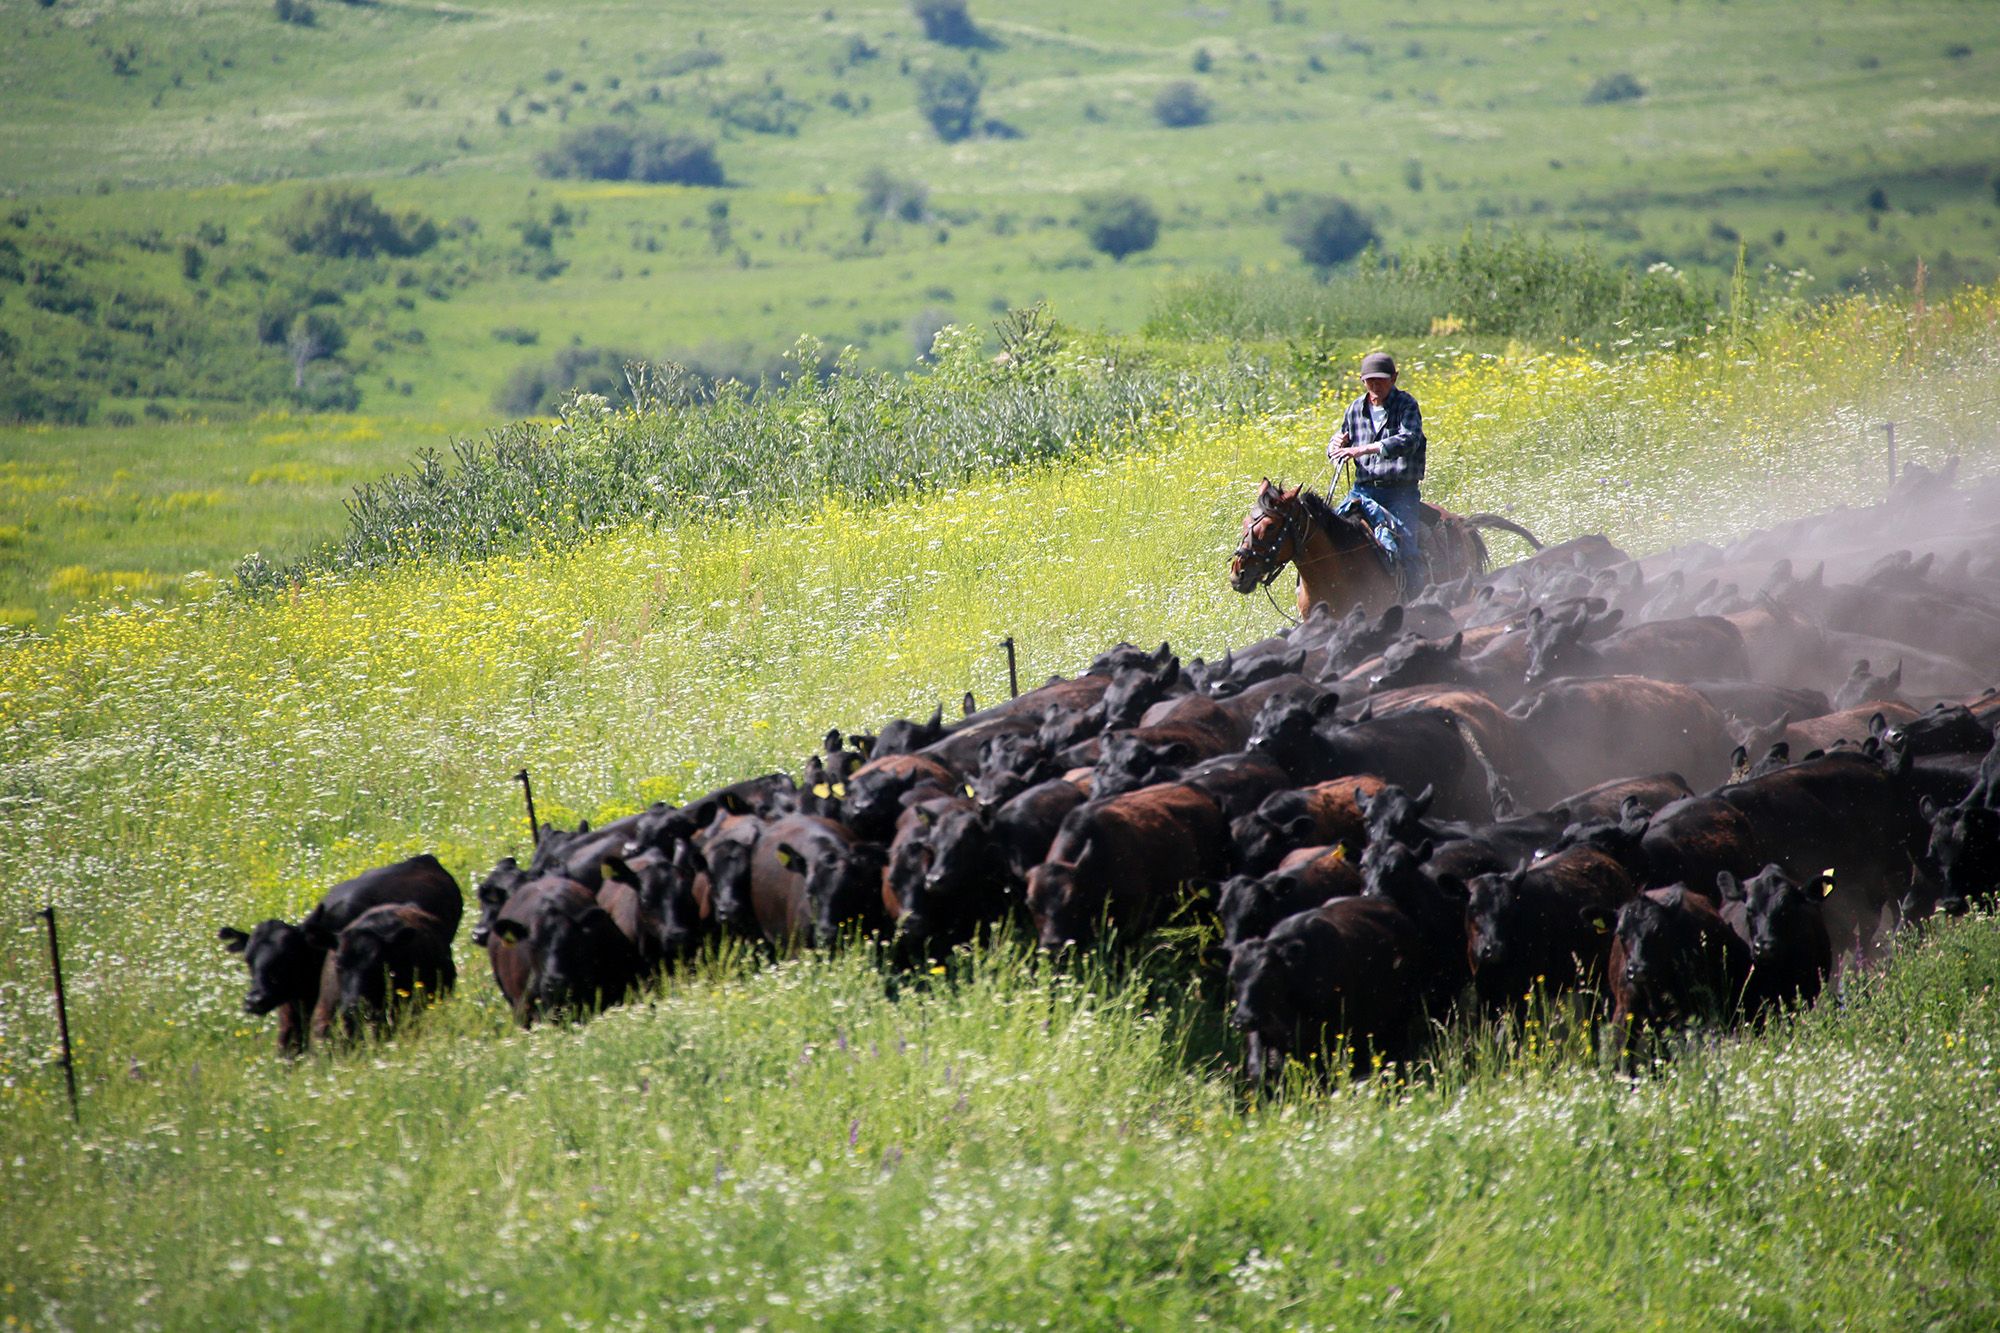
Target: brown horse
<point x="1336" y="555"/>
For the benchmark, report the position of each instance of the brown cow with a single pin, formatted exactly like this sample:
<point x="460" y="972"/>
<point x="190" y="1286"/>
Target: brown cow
<point x="555" y="950"/>
<point x="1673" y="959"/>
<point x="1127" y="857"/>
<point x="389" y="958"/>
<point x="1610" y="727"/>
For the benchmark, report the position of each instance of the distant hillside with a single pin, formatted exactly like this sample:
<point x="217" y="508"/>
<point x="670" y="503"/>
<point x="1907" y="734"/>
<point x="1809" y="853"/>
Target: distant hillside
<point x="878" y="182"/>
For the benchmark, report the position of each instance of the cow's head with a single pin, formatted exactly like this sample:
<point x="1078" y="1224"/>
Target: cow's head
<point x="1395" y="815"/>
<point x="284" y="961"/>
<point x="903" y="736"/>
<point x="1654" y="941"/>
<point x="1965" y="846"/>
<point x="843" y="884"/>
<point x="494" y="891"/>
<point x="1282" y="821"/>
<point x="1262" y="1002"/>
<point x="1778" y="914"/>
<point x="1129" y="762"/>
<point x="964" y="859"/>
<point x="1062" y="917"/>
<point x="580" y="960"/>
<point x="1415" y="660"/>
<point x="1284" y="731"/>
<point x="1135" y="689"/>
<point x="1493" y="920"/>
<point x="384" y="959"/>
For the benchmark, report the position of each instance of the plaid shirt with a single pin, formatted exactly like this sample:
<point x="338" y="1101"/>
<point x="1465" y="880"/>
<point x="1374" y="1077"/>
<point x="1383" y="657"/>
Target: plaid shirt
<point x="1401" y="437"/>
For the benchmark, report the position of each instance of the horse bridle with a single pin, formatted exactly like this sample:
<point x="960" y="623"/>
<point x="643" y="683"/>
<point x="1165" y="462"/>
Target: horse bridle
<point x="1296" y="524"/>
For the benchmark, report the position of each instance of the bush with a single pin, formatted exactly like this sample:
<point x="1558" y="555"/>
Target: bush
<point x="615" y="153"/>
<point x="297" y="12"/>
<point x="1620" y="87"/>
<point x="1119" y="224"/>
<point x="1327" y="230"/>
<point x="886" y="195"/>
<point x="1182" y="104"/>
<point x="947" y="23"/>
<point x="340" y="222"/>
<point x="949" y="100"/>
<point x="538" y="388"/>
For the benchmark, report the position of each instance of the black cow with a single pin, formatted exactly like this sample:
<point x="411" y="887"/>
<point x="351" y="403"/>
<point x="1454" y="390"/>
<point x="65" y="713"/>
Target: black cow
<point x="1249" y="906"/>
<point x="1410" y="749"/>
<point x="1344" y="977"/>
<point x="1131" y="858"/>
<point x="388" y="958"/>
<point x="1673" y="959"/>
<point x="1528" y="928"/>
<point x="1780" y="923"/>
<point x="556" y="951"/>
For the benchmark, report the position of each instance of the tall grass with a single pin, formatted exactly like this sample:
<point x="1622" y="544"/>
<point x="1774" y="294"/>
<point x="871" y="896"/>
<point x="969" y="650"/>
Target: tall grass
<point x="1500" y="284"/>
<point x="864" y="435"/>
<point x="993" y="1145"/>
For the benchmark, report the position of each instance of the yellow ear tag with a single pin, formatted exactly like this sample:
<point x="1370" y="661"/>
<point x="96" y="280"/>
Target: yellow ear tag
<point x="840" y="789"/>
<point x="787" y="860"/>
<point x="822" y="791"/>
<point x="969" y="791"/>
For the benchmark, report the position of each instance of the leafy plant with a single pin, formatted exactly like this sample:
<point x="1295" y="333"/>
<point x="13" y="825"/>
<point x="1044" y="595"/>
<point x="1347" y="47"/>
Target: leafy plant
<point x="1620" y="87"/>
<point x="1182" y="104"/>
<point x="1119" y="224"/>
<point x="1327" y="230"/>
<point x="342" y="222"/>
<point x="949" y="100"/>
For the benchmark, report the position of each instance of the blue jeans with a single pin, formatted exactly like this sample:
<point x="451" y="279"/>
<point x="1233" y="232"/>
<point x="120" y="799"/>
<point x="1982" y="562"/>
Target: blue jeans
<point x="1400" y="504"/>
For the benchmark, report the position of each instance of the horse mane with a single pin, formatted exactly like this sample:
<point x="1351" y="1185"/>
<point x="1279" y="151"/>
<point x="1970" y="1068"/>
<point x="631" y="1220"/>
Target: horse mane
<point x="1325" y="517"/>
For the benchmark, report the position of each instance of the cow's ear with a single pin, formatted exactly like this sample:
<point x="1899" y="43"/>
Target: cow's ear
<point x="1877" y="724"/>
<point x="618" y="868"/>
<point x="1324" y="706"/>
<point x="1424" y="850"/>
<point x="788" y="857"/>
<point x="967" y="706"/>
<point x="927" y="816"/>
<point x="1674" y="898"/>
<point x="831" y="742"/>
<point x="1178" y="752"/>
<point x="510" y="932"/>
<point x="1299" y="826"/>
<point x="1597" y="920"/>
<point x="937" y="718"/>
<point x="232" y="939"/>
<point x="1367" y="713"/>
<point x="1731" y="887"/>
<point x="1421" y="802"/>
<point x="733" y="803"/>
<point x="1391" y="621"/>
<point x="1456" y="646"/>
<point x="1739" y="759"/>
<point x="1927" y="808"/>
<point x="1163" y="654"/>
<point x="1823" y="886"/>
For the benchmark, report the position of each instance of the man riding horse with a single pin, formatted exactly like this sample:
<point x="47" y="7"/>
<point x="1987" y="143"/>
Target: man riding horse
<point x="1382" y="435"/>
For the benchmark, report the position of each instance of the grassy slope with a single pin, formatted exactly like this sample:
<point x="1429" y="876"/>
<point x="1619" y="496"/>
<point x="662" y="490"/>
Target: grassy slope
<point x="1078" y="1160"/>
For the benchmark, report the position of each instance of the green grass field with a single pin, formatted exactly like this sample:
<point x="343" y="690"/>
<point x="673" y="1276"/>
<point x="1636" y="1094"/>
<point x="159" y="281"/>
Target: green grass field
<point x="996" y="1145"/>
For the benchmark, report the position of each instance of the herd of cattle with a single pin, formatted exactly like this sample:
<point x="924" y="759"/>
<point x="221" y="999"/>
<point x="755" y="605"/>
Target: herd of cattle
<point x="1698" y="783"/>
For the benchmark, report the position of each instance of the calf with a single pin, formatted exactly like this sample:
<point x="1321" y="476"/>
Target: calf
<point x="1429" y="886"/>
<point x="388" y="954"/>
<point x="291" y="967"/>
<point x="289" y="974"/>
<point x="1129" y="858"/>
<point x="1673" y="959"/>
<point x="1343" y="977"/>
<point x="555" y="950"/>
<point x="1780" y="923"/>
<point x="959" y="882"/>
<point x="1964" y="845"/>
<point x="803" y="879"/>
<point x="1528" y="928"/>
<point x="1325" y="813"/>
<point x="1250" y="906"/>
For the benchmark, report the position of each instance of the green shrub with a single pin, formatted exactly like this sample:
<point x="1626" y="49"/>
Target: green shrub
<point x="697" y="446"/>
<point x="949" y="100"/>
<point x="341" y="222"/>
<point x="615" y="153"/>
<point x="1182" y="104"/>
<point x="887" y="195"/>
<point x="1620" y="87"/>
<point x="1119" y="224"/>
<point x="297" y="12"/>
<point x="540" y="387"/>
<point x="1327" y="230"/>
<point x="947" y="22"/>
